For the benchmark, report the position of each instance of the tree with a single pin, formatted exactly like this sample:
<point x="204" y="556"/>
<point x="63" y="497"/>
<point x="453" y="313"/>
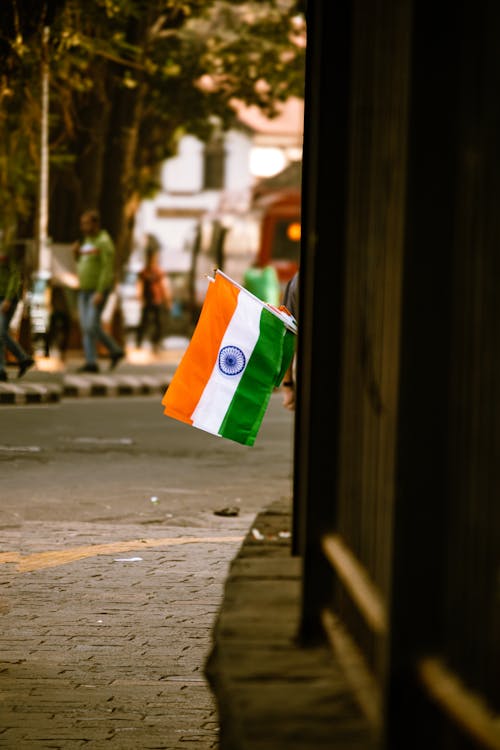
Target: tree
<point x="128" y="77"/>
<point x="21" y="24"/>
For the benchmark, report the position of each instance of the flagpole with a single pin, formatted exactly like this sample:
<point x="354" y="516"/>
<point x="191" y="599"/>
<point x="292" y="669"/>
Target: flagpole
<point x="44" y="255"/>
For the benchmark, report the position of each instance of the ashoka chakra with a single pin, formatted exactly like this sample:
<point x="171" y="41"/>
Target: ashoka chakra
<point x="231" y="360"/>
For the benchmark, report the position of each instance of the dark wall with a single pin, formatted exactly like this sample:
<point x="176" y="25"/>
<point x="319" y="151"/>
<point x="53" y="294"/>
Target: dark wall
<point x="398" y="416"/>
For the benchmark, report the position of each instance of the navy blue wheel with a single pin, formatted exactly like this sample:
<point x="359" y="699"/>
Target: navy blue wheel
<point x="231" y="360"/>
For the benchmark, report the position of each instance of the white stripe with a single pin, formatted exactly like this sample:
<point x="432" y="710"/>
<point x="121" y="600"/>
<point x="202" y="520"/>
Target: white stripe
<point x="243" y="331"/>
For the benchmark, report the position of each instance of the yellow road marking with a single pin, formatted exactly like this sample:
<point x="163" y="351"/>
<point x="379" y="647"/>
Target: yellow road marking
<point x="53" y="558"/>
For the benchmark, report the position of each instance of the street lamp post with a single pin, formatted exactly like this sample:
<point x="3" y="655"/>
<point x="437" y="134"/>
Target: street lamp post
<point x="39" y="293"/>
<point x="44" y="265"/>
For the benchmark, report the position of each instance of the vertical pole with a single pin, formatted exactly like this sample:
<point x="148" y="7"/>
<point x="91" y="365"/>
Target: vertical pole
<point x="43" y="244"/>
<point x="321" y="292"/>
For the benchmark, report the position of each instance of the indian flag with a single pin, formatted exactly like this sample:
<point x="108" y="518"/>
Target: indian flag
<point x="238" y="353"/>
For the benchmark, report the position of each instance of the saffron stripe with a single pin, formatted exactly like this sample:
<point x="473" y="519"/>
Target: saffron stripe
<point x="196" y="366"/>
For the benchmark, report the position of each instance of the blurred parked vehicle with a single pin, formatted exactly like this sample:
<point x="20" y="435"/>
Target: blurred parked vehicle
<point x="39" y="304"/>
<point x="280" y="234"/>
<point x="129" y="300"/>
<point x="180" y="317"/>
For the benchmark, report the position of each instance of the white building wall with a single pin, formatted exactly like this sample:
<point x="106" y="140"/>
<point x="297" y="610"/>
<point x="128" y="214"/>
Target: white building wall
<point x="237" y="174"/>
<point x="184" y="173"/>
<point x="173" y="214"/>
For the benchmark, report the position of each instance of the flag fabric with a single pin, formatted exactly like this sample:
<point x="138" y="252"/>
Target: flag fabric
<point x="238" y="353"/>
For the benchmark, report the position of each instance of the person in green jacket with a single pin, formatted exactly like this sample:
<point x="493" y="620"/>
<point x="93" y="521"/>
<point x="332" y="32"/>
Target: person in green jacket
<point x="94" y="254"/>
<point x="10" y="293"/>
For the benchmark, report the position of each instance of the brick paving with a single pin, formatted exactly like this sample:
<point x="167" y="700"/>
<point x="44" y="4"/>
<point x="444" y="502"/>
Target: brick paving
<point x="107" y="651"/>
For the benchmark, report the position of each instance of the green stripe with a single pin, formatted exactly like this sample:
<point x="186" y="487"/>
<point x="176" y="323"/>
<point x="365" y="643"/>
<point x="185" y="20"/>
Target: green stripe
<point x="270" y="359"/>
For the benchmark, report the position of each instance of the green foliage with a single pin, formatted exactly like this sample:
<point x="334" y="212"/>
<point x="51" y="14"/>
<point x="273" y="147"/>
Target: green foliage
<point x="127" y="77"/>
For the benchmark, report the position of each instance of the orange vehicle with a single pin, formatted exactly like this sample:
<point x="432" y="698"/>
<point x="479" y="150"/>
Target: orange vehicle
<point x="280" y="233"/>
<point x="268" y="234"/>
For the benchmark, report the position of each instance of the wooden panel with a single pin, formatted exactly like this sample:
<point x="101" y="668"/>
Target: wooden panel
<point x="375" y="234"/>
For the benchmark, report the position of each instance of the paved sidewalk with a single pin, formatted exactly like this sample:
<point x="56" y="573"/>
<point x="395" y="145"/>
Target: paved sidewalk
<point x="104" y="637"/>
<point x="115" y="643"/>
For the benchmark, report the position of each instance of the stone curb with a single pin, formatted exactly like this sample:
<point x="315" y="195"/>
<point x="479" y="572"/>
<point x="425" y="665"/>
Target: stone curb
<point x="30" y="393"/>
<point x="78" y="386"/>
<point x="113" y="385"/>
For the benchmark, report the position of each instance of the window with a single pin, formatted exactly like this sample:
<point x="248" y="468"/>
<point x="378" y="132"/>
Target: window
<point x="213" y="178"/>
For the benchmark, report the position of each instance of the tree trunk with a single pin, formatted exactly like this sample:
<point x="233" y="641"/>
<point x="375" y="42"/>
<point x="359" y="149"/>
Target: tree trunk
<point x="117" y="184"/>
<point x="78" y="187"/>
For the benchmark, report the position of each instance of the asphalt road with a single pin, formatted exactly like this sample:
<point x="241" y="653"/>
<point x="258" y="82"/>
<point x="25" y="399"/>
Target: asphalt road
<point x="103" y="460"/>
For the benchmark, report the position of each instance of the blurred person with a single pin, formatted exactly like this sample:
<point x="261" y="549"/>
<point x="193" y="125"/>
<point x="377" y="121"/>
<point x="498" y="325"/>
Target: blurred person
<point x="156" y="298"/>
<point x="263" y="283"/>
<point x="94" y="254"/>
<point x="291" y="302"/>
<point x="60" y="321"/>
<point x="10" y="294"/>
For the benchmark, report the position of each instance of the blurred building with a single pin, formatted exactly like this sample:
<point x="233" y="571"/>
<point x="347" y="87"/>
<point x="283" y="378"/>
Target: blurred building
<point x="207" y="191"/>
